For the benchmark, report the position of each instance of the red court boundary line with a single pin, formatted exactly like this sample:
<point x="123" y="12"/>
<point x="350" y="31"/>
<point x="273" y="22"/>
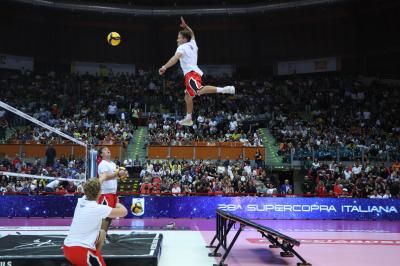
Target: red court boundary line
<point x="330" y="241"/>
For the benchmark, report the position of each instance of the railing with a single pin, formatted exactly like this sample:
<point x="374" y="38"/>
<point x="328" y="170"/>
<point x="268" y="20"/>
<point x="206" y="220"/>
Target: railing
<point x="39" y="150"/>
<point x="216" y="194"/>
<point x="204" y="151"/>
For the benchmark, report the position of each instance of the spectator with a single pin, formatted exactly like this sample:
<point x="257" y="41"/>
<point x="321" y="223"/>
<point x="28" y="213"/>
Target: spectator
<point x="375" y="195"/>
<point x="136" y="162"/>
<point x="52" y="186"/>
<point x="146" y="187"/>
<point x="112" y="111"/>
<point x="251" y="188"/>
<point x="307" y="187"/>
<point x="357" y="169"/>
<point x="286" y="187"/>
<point x="176" y="188"/>
<point x="387" y="194"/>
<point x="321" y="189"/>
<point x="258" y="158"/>
<point x="315" y="165"/>
<point x="50" y="155"/>
<point x="345" y="194"/>
<point x="135" y="116"/>
<point x="3" y="126"/>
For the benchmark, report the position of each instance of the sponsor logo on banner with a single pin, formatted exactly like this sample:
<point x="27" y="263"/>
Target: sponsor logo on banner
<point x="137" y="207"/>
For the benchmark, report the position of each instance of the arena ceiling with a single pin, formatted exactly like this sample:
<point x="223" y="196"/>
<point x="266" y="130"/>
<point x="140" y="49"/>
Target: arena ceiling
<point x="179" y="7"/>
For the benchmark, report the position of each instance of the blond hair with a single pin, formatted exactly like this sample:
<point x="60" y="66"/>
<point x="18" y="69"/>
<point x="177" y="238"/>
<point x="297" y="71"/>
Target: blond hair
<point x="91" y="189"/>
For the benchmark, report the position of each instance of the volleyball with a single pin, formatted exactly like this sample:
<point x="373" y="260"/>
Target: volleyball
<point x="123" y="174"/>
<point x="113" y="38"/>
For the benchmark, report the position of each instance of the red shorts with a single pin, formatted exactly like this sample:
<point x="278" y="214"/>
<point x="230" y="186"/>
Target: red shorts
<point x="108" y="199"/>
<point x="80" y="256"/>
<point x="193" y="83"/>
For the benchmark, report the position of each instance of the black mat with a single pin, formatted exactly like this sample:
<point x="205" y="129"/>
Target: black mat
<point x="46" y="250"/>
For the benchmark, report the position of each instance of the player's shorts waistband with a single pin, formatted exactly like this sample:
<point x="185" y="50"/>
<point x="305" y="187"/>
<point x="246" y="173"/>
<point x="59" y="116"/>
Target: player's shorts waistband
<point x="193" y="71"/>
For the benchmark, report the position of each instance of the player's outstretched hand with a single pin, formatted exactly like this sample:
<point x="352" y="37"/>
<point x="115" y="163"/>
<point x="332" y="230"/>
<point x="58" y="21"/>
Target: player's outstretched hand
<point x="183" y="23"/>
<point x="162" y="70"/>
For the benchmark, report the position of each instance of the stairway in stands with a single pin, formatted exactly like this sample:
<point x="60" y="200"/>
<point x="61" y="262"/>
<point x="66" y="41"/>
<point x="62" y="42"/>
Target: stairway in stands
<point x="135" y="148"/>
<point x="271" y="148"/>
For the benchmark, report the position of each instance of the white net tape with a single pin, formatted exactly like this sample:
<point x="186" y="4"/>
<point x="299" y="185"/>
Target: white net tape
<point x="40" y="177"/>
<point x="34" y="120"/>
<point x="52" y="129"/>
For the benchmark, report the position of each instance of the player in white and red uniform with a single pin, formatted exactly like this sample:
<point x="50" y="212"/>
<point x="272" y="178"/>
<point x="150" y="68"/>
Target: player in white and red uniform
<point x="108" y="174"/>
<point x="82" y="246"/>
<point x="186" y="53"/>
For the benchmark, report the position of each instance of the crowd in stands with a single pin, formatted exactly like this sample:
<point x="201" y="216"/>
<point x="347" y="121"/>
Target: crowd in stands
<point x="205" y="177"/>
<point x="178" y="177"/>
<point x="213" y="128"/>
<point x="106" y="109"/>
<point x="324" y="116"/>
<point x="327" y="117"/>
<point x="358" y="181"/>
<point x="337" y="117"/>
<point x="63" y="167"/>
<point x="90" y="108"/>
<point x="243" y="178"/>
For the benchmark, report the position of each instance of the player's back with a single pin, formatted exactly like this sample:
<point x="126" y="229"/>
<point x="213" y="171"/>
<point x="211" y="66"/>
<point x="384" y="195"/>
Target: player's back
<point x="86" y="223"/>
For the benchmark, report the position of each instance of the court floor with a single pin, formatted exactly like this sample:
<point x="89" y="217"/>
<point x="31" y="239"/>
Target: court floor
<point x="322" y="242"/>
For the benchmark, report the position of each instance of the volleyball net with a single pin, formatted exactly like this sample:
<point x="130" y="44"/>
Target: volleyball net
<point x="52" y="130"/>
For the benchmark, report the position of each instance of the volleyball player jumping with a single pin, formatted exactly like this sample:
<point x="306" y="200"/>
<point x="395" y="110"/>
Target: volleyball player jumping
<point x="186" y="53"/>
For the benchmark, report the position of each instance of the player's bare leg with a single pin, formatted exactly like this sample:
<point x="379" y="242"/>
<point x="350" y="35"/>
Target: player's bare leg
<point x="212" y="89"/>
<point x="187" y="121"/>
<point x="189" y="103"/>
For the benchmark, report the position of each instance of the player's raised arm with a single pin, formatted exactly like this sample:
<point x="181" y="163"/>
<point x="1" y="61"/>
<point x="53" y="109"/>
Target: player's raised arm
<point x="186" y="27"/>
<point x="172" y="61"/>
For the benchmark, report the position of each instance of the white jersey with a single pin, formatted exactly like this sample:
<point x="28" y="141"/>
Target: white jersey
<point x="53" y="184"/>
<point x="108" y="186"/>
<point x="86" y="224"/>
<point x="188" y="59"/>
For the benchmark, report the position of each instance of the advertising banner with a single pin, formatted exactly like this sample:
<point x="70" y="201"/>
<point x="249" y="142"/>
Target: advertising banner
<point x="16" y="62"/>
<point x="218" y="70"/>
<point x="204" y="207"/>
<point x="308" y="66"/>
<point x="102" y="69"/>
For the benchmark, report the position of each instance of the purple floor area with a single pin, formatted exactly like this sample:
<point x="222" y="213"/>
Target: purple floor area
<point x="209" y="224"/>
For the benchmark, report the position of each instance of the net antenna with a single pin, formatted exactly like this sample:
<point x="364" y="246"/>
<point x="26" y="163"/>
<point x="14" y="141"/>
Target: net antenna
<point x="52" y="129"/>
